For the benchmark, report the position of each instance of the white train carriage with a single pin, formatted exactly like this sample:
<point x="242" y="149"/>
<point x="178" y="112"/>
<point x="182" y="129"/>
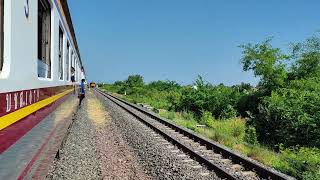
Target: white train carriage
<point x="38" y="45"/>
<point x="38" y="57"/>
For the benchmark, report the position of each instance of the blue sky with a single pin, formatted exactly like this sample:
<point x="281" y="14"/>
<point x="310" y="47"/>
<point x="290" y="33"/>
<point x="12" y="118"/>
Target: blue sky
<point x="179" y="39"/>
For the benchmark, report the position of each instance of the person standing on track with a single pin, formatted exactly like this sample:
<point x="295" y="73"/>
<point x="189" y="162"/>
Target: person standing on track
<point x="81" y="91"/>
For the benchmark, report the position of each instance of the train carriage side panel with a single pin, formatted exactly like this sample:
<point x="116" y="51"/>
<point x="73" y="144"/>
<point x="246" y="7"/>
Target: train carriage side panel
<point x="23" y="95"/>
<point x="4" y="72"/>
<point x="20" y="70"/>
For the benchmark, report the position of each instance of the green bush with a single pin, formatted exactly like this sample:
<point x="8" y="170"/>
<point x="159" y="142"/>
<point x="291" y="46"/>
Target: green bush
<point x="303" y="163"/>
<point x="228" y="112"/>
<point x="251" y="135"/>
<point x="207" y="119"/>
<point x="219" y="100"/>
<point x="228" y="132"/>
<point x="173" y="98"/>
<point x="248" y="103"/>
<point x="291" y="116"/>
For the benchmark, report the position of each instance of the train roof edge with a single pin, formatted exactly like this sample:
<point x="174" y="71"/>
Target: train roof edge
<point x="66" y="11"/>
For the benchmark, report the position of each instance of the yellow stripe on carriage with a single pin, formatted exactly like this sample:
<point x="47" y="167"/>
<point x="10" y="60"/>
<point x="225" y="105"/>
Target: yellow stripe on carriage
<point x="15" y="116"/>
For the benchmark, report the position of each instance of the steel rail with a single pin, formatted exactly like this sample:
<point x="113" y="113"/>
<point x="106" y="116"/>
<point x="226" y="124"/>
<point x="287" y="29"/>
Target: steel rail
<point x="248" y="164"/>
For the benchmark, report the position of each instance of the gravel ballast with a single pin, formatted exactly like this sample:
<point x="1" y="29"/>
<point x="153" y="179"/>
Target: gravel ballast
<point x="235" y="169"/>
<point x="93" y="148"/>
<point x="159" y="158"/>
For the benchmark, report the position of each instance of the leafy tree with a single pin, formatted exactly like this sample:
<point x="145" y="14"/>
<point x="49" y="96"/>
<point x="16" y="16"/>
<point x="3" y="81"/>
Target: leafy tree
<point x="200" y="83"/>
<point x="287" y="109"/>
<point x="291" y="116"/>
<point x="164" y="85"/>
<point x="219" y="100"/>
<point x="228" y="112"/>
<point x="243" y="87"/>
<point x="134" y="81"/>
<point x="248" y="102"/>
<point x="118" y="83"/>
<point x="266" y="62"/>
<point x="306" y="57"/>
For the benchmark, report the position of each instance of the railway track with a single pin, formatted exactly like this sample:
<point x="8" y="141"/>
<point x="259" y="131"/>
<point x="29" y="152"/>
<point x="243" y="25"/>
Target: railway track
<point x="224" y="162"/>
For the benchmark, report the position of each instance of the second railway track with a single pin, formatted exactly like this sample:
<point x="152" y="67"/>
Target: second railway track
<point x="225" y="163"/>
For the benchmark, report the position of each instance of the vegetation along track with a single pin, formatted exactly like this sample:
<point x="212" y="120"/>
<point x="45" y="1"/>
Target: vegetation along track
<point x="222" y="161"/>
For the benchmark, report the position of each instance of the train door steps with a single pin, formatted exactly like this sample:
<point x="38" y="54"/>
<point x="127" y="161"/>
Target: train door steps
<point x="30" y="157"/>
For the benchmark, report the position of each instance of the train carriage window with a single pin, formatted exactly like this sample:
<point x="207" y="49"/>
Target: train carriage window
<point x="72" y="69"/>
<point x="76" y="70"/>
<point x="44" y="39"/>
<point x="72" y="59"/>
<point x="73" y="63"/>
<point x="1" y="33"/>
<point x="60" y="54"/>
<point x="68" y="60"/>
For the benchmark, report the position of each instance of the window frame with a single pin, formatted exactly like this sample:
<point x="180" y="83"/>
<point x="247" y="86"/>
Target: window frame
<point x="72" y="67"/>
<point x="1" y="34"/>
<point x="72" y="55"/>
<point x="44" y="38"/>
<point x="71" y="59"/>
<point x="61" y="54"/>
<point x="68" y="61"/>
<point x="75" y="69"/>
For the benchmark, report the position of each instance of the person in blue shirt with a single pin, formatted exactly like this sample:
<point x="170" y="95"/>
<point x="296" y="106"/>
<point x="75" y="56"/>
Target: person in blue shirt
<point x="81" y="91"/>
